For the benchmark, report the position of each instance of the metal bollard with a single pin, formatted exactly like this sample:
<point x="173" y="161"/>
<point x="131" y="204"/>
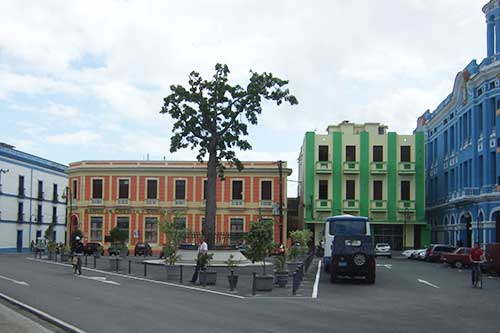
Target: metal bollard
<point x="86" y="260"/>
<point x="145" y="270"/>
<point x="294" y="283"/>
<point x="231" y="284"/>
<point x="181" y="269"/>
<point x="116" y="262"/>
<point x="254" y="290"/>
<point x="129" y="266"/>
<point x="95" y="262"/>
<point x="55" y="257"/>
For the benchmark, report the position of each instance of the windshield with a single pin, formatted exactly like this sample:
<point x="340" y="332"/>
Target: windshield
<point x="350" y="227"/>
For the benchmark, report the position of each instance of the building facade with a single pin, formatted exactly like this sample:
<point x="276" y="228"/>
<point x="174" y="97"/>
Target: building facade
<point x="462" y="141"/>
<point x="365" y="170"/>
<point x="32" y="196"/>
<point x="136" y="196"/>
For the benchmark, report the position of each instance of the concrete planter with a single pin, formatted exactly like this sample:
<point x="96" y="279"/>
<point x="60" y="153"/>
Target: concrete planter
<point x="292" y="266"/>
<point x="233" y="281"/>
<point x="172" y="272"/>
<point x="208" y="278"/>
<point x="264" y="282"/>
<point x="64" y="257"/>
<point x="281" y="279"/>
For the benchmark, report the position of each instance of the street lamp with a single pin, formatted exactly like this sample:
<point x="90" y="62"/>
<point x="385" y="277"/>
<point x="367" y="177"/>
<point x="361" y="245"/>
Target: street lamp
<point x="67" y="195"/>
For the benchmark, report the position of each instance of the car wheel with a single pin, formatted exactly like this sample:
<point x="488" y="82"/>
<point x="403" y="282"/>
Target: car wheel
<point x="458" y="264"/>
<point x="370" y="279"/>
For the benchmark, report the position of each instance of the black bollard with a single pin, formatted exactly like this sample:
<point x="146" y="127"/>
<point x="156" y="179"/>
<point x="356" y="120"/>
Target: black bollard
<point x="86" y="260"/>
<point x="181" y="269"/>
<point x="145" y="270"/>
<point x="254" y="291"/>
<point x="129" y="266"/>
<point x="95" y="262"/>
<point x="231" y="283"/>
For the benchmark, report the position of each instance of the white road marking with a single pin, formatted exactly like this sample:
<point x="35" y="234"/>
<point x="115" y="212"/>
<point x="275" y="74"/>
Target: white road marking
<point x="427" y="283"/>
<point x="22" y="283"/>
<point x="142" y="279"/>
<point x="100" y="279"/>
<point x="316" y="281"/>
<point x="43" y="315"/>
<point x="388" y="266"/>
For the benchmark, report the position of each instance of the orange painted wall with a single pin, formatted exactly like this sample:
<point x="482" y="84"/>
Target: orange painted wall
<point x="246" y="189"/>
<point x="105" y="184"/>
<point x="256" y="189"/>
<point x="162" y="189"/>
<point x="189" y="189"/>
<point x="114" y="188"/>
<point x="87" y="187"/>
<point x="133" y="188"/>
<point x="276" y="190"/>
<point x="170" y="191"/>
<point x="142" y="188"/>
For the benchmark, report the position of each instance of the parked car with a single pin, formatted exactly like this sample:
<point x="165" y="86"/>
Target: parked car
<point x="143" y="249"/>
<point x="383" y="250"/>
<point x="458" y="259"/>
<point x="93" y="248"/>
<point x="434" y="251"/>
<point x="420" y="254"/>
<point x="408" y="253"/>
<point x="117" y="248"/>
<point x="493" y="257"/>
<point x="278" y="250"/>
<point x="352" y="256"/>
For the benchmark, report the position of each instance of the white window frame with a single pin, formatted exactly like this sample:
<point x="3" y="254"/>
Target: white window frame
<point x="90" y="228"/>
<point x="157" y="228"/>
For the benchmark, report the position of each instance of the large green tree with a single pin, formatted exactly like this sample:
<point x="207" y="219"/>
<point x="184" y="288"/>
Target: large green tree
<point x="212" y="116"/>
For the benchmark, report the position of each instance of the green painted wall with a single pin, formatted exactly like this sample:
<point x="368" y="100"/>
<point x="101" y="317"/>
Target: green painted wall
<point x="364" y="170"/>
<point x="309" y="173"/>
<point x="391" y="175"/>
<point x="425" y="235"/>
<point x="420" y="176"/>
<point x="337" y="173"/>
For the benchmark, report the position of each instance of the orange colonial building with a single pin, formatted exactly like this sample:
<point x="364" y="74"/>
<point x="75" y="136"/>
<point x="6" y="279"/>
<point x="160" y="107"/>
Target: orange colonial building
<point x="134" y="195"/>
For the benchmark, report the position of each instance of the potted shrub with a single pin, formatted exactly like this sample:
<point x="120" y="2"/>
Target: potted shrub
<point x="231" y="265"/>
<point x="65" y="252"/>
<point x="280" y="273"/>
<point x="299" y="249"/>
<point x="174" y="235"/>
<point x="260" y="243"/>
<point x="207" y="277"/>
<point x="51" y="248"/>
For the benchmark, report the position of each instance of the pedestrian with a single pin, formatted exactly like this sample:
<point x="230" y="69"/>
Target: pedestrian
<point x="32" y="246"/>
<point x="202" y="250"/>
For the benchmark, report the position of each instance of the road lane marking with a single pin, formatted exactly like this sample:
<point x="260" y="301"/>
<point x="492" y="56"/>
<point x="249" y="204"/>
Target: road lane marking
<point x="99" y="278"/>
<point x="45" y="316"/>
<point x="316" y="281"/>
<point x="427" y="283"/>
<point x="22" y="283"/>
<point x="388" y="266"/>
<point x="142" y="279"/>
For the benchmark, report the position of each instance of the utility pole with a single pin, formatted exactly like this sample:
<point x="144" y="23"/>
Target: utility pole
<point x="280" y="170"/>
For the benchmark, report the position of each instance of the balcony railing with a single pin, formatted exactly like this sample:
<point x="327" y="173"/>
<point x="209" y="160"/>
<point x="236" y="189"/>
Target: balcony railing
<point x="266" y="203"/>
<point x="122" y="202"/>
<point x="323" y="204"/>
<point x="180" y="202"/>
<point x="21" y="192"/>
<point x="96" y="201"/>
<point x="222" y="239"/>
<point x="39" y="218"/>
<point x="236" y="203"/>
<point x="378" y="205"/>
<point x="151" y="202"/>
<point x="351" y="204"/>
<point x="351" y="167"/>
<point x="406" y="167"/>
<point x="324" y="167"/>
<point x="406" y="205"/>
<point x="54" y="219"/>
<point x="378" y="167"/>
<point x="20" y="217"/>
<point x="40" y="196"/>
<point x="55" y="198"/>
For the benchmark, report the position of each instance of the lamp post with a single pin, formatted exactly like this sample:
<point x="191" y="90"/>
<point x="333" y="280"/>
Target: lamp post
<point x="280" y="170"/>
<point x="404" y="227"/>
<point x="67" y="195"/>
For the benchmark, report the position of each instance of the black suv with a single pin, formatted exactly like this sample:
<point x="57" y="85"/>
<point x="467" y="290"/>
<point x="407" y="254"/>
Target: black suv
<point x="93" y="248"/>
<point x="143" y="249"/>
<point x="352" y="256"/>
<point x="117" y="249"/>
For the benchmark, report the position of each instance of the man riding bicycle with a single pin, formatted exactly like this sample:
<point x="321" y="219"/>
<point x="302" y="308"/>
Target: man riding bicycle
<point x="77" y="251"/>
<point x="476" y="256"/>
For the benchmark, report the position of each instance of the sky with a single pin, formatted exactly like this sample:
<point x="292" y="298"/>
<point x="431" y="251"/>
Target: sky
<point x="85" y="80"/>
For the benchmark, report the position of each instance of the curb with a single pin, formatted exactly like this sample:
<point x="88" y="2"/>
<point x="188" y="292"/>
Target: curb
<point x="42" y="315"/>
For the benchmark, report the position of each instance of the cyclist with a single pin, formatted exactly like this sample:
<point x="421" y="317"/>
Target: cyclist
<point x="476" y="255"/>
<point x="77" y="251"/>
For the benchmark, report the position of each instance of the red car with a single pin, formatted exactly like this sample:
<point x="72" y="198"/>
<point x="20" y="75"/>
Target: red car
<point x="458" y="259"/>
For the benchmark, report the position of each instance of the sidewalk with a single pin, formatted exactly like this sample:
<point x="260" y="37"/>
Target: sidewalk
<point x="14" y="322"/>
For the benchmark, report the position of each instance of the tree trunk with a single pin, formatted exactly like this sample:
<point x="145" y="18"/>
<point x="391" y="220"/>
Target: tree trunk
<point x="211" y="204"/>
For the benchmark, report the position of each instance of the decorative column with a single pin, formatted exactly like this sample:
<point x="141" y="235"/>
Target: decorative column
<point x="490" y="35"/>
<point x="497" y="34"/>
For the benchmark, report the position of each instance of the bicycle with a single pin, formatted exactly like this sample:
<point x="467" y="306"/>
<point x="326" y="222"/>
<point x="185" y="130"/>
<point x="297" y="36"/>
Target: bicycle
<point x="477" y="274"/>
<point x="76" y="261"/>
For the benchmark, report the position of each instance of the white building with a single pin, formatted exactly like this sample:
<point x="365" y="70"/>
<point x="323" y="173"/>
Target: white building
<point x="32" y="196"/>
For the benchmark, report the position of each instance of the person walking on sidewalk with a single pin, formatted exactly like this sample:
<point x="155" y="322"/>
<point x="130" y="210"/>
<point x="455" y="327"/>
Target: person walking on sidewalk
<point x="202" y="250"/>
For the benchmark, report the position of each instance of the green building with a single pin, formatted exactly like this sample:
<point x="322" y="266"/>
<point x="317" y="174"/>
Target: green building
<point x="364" y="170"/>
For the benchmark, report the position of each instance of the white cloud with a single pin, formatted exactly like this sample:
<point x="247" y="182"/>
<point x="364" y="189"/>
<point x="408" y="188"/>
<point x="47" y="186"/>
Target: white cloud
<point x="83" y="137"/>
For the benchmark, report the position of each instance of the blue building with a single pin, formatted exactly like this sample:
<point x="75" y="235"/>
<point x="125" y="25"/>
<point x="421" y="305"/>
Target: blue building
<point x="462" y="150"/>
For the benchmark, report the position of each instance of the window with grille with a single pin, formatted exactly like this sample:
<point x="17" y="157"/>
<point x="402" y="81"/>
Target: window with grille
<point x="180" y="189"/>
<point x="378" y="153"/>
<point x="205" y="182"/>
<point x="237" y="193"/>
<point x="323" y="189"/>
<point x="75" y="188"/>
<point x="123" y="223"/>
<point x="152" y="188"/>
<point x="180" y="222"/>
<point x="96" y="228"/>
<point x="405" y="190"/>
<point x="151" y="229"/>
<point x="236" y="225"/>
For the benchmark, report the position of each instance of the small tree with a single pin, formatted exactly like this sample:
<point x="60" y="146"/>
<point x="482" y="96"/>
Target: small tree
<point x="300" y="238"/>
<point x="260" y="241"/>
<point x="118" y="236"/>
<point x="212" y="116"/>
<point x="173" y="238"/>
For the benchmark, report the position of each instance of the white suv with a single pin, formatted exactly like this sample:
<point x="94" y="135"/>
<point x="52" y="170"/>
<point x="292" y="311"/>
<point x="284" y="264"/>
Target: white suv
<point x="383" y="250"/>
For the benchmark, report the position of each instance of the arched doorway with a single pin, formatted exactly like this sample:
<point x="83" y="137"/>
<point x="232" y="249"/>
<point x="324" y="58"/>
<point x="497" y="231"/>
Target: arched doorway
<point x="496" y="218"/>
<point x="466" y="235"/>
<point x="480" y="219"/>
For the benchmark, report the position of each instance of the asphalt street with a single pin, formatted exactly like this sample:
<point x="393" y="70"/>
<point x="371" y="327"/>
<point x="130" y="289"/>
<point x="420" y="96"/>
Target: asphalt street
<point x="408" y="296"/>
